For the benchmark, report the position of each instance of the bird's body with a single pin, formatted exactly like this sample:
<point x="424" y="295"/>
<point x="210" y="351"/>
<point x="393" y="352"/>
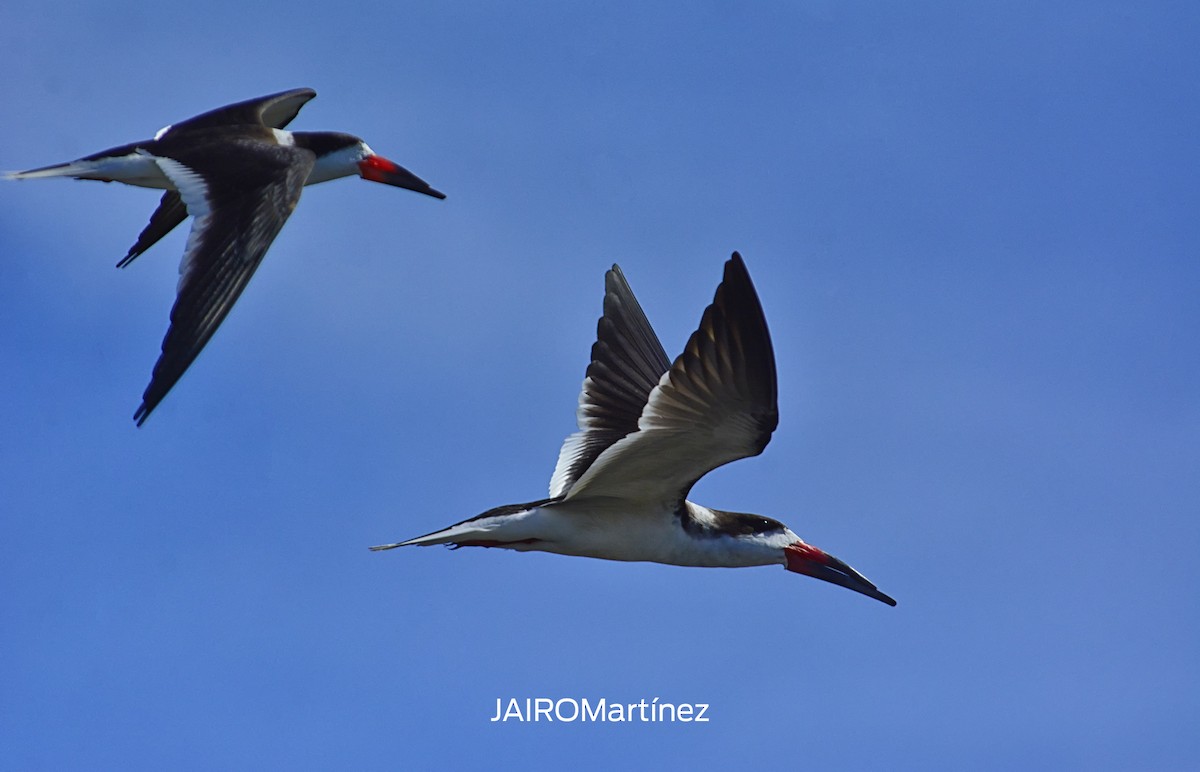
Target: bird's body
<point x="239" y="174"/>
<point x="649" y="429"/>
<point x="624" y="530"/>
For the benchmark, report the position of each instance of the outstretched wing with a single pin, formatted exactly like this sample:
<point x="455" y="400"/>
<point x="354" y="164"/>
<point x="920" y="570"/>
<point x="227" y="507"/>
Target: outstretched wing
<point x="717" y="403"/>
<point x="240" y="194"/>
<point x="627" y="362"/>
<point x="273" y="111"/>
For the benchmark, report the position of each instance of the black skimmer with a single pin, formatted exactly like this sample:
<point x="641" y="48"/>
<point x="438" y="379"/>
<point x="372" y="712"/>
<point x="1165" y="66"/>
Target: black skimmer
<point x="648" y="430"/>
<point x="239" y="175"/>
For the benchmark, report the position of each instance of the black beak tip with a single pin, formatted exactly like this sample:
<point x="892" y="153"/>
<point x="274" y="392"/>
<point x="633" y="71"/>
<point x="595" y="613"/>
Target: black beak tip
<point x="810" y="561"/>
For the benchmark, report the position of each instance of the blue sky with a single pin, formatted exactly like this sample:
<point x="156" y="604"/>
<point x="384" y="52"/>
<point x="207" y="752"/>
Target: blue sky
<point x="974" y="232"/>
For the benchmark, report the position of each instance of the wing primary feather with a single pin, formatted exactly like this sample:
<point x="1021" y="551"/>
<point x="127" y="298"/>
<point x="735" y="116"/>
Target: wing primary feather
<point x="626" y="364"/>
<point x="170" y="212"/>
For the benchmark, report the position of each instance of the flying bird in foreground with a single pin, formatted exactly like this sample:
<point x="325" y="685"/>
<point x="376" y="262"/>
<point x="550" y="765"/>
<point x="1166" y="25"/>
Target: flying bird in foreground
<point x="239" y="175"/>
<point x="648" y="430"/>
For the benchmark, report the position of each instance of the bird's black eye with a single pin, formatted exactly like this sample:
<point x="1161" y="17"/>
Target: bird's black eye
<point x="759" y="525"/>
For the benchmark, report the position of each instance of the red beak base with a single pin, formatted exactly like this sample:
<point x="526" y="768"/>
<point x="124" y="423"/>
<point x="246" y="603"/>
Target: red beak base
<point x="376" y="168"/>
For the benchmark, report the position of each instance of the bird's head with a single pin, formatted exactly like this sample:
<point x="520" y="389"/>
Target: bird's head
<point x="341" y="155"/>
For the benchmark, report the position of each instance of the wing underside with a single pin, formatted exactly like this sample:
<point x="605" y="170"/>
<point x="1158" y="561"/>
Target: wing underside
<point x="717" y="403"/>
<point x="627" y="362"/>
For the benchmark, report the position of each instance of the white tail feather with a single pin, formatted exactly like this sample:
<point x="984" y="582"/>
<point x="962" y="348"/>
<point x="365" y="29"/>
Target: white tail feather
<point x="135" y="168"/>
<point x="59" y="170"/>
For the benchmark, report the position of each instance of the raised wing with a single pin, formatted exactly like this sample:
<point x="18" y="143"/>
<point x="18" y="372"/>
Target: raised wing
<point x="237" y="216"/>
<point x="717" y="403"/>
<point x="627" y="362"/>
<point x="274" y="111"/>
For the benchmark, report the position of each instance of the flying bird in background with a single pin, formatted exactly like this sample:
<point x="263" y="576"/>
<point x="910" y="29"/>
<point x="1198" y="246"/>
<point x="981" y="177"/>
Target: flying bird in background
<point x="239" y="175"/>
<point x="649" y="429"/>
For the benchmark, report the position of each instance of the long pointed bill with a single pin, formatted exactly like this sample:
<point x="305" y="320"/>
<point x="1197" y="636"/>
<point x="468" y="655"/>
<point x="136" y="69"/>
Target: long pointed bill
<point x="379" y="169"/>
<point x="810" y="561"/>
